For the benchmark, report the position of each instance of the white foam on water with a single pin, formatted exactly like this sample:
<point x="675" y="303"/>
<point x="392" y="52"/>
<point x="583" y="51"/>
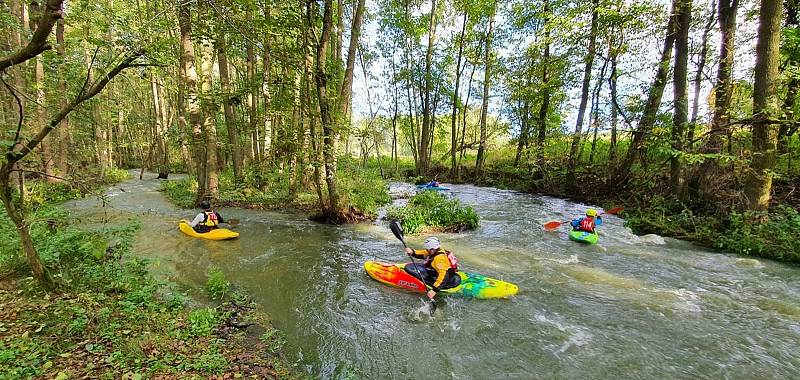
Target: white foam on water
<point x="577" y="336"/>
<point x="687" y="300"/>
<point x="746" y="262"/>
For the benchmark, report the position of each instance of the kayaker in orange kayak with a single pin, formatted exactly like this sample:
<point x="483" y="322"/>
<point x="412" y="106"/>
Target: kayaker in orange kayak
<point x="439" y="269"/>
<point x="207" y="220"/>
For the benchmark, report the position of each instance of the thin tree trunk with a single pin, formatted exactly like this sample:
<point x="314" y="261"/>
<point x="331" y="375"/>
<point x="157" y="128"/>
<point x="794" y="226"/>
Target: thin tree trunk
<point x="545" y="106"/>
<point x="587" y="82"/>
<point x="612" y="84"/>
<point x="454" y="119"/>
<point x="653" y="103"/>
<point x="424" y="157"/>
<point x="698" y="78"/>
<point x="706" y="180"/>
<point x="680" y="92"/>
<point x="481" y="157"/>
<point x="758" y="181"/>
<point x="192" y="98"/>
<point x="230" y="118"/>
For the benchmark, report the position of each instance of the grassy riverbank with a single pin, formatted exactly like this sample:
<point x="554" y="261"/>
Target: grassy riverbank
<point x="111" y="319"/>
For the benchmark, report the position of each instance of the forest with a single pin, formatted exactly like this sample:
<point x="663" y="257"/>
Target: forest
<point x="684" y="112"/>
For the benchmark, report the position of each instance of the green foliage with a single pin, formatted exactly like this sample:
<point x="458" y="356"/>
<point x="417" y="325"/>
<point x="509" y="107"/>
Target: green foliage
<point x="432" y="211"/>
<point x="274" y="339"/>
<point x="181" y="191"/>
<point x="216" y="286"/>
<point x="202" y="321"/>
<point x="363" y="188"/>
<point x="114" y="175"/>
<point x="778" y="237"/>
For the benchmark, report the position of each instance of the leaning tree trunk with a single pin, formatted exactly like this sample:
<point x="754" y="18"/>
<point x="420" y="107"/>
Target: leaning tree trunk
<point x="653" y="103"/>
<point x="587" y="80"/>
<point x="758" y="181"/>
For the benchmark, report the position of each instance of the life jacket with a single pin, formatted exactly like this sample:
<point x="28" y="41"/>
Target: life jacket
<point x="209" y="219"/>
<point x="586" y="224"/>
<point x="450" y="257"/>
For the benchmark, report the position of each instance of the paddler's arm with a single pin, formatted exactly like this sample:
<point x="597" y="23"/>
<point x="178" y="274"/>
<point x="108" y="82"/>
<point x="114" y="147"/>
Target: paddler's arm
<point x="197" y="219"/>
<point x="441" y="264"/>
<point x="417" y="253"/>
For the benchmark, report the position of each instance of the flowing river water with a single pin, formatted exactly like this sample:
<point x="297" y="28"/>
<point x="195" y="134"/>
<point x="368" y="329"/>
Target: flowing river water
<point x="627" y="308"/>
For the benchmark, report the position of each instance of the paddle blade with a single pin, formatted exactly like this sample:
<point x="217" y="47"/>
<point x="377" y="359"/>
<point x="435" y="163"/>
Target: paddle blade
<point x="549" y="226"/>
<point x="614" y="210"/>
<point x="397" y="231"/>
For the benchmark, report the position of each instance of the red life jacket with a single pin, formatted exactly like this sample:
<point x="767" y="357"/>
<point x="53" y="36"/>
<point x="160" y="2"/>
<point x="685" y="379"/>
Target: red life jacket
<point x="586" y="224"/>
<point x="210" y="219"/>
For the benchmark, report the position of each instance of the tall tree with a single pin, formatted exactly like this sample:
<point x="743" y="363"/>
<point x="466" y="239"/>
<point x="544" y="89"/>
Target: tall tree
<point x="487" y="72"/>
<point x="427" y="110"/>
<point x="454" y="117"/>
<point x="680" y="91"/>
<point x="230" y="118"/>
<point x="587" y="79"/>
<point x="758" y="181"/>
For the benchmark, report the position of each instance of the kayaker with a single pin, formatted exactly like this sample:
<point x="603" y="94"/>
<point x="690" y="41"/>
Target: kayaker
<point x="207" y="220"/>
<point x="439" y="269"/>
<point x="587" y="223"/>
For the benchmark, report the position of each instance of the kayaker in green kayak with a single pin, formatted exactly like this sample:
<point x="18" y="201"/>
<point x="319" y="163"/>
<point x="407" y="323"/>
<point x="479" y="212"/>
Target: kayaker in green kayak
<point x="588" y="223"/>
<point x="439" y="269"/>
<point x="207" y="220"/>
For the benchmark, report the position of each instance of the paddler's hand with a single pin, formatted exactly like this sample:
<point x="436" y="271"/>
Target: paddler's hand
<point x="431" y="293"/>
<point x="409" y="251"/>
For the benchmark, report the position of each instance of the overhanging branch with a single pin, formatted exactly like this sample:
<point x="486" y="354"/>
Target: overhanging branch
<point x="51" y="13"/>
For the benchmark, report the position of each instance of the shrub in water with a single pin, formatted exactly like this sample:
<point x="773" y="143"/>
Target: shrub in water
<point x="432" y="211"/>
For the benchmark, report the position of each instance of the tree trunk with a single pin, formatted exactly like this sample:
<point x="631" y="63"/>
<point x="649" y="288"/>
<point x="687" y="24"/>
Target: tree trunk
<point x="758" y="181"/>
<point x="265" y="91"/>
<point x="545" y="90"/>
<point x="453" y="120"/>
<point x="345" y="95"/>
<point x="612" y="84"/>
<point x="587" y="81"/>
<point x="192" y="98"/>
<point x="210" y="123"/>
<point x="325" y="109"/>
<point x="698" y="78"/>
<point x="424" y="157"/>
<point x="706" y="180"/>
<point x="653" y="103"/>
<point x="230" y="118"/>
<point x="63" y="136"/>
<point x="680" y="92"/>
<point x="481" y="157"/>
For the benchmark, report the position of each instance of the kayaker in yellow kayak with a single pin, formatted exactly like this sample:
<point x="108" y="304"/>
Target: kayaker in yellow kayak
<point x="439" y="269"/>
<point x="587" y="223"/>
<point x="207" y="220"/>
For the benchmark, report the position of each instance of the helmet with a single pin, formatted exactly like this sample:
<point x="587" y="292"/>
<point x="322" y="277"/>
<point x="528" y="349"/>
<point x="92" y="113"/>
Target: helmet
<point x="591" y="212"/>
<point x="205" y="205"/>
<point x="432" y="243"/>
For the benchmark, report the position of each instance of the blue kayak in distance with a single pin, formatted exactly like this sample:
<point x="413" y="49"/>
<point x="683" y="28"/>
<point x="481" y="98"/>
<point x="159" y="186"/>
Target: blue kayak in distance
<point x="436" y="188"/>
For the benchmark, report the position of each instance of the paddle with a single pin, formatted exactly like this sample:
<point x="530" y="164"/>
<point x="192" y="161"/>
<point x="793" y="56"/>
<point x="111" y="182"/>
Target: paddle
<point x="398" y="233"/>
<point x="553" y="224"/>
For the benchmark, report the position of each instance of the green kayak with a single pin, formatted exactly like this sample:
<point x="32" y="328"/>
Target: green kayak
<point x="583" y="237"/>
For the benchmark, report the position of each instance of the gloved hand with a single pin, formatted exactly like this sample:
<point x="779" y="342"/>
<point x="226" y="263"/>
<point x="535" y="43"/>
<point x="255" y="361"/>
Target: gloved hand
<point x="409" y="251"/>
<point x="431" y="293"/>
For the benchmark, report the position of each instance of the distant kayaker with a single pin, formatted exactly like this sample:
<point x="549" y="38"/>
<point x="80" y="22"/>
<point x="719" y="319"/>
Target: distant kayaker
<point x="433" y="183"/>
<point x="587" y="223"/>
<point x="439" y="269"/>
<point x="207" y="220"/>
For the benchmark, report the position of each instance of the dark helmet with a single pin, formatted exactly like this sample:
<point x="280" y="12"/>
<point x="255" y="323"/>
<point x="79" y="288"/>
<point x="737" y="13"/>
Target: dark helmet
<point x="205" y="205"/>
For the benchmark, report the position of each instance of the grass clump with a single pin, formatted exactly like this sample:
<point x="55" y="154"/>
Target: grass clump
<point x="430" y="211"/>
<point x="217" y="286"/>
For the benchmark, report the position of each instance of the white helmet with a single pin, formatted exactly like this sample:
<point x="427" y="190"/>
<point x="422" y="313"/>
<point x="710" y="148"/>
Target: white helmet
<point x="432" y="243"/>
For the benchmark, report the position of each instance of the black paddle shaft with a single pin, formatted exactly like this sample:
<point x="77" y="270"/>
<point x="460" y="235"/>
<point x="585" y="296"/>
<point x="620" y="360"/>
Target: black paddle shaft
<point x="397" y="230"/>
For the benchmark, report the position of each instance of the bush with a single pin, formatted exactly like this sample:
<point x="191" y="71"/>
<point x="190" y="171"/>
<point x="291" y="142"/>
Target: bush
<point x="181" y="191"/>
<point x="216" y="286"/>
<point x="431" y="211"/>
<point x="777" y="238"/>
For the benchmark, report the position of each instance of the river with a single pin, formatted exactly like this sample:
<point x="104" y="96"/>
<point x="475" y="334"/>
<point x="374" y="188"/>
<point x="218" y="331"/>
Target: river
<point x="628" y="308"/>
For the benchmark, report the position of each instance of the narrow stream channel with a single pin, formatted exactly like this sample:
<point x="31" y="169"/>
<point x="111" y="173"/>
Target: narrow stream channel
<point x="625" y="308"/>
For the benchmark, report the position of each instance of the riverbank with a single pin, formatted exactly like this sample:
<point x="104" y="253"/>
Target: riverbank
<point x="651" y="208"/>
<point x="111" y="318"/>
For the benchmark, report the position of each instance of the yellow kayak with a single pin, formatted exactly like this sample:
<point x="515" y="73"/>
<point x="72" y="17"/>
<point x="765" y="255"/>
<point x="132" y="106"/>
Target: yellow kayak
<point x="218" y="234"/>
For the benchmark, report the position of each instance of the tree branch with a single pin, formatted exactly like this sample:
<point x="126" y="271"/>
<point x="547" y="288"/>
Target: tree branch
<point x="14" y="156"/>
<point x="51" y="13"/>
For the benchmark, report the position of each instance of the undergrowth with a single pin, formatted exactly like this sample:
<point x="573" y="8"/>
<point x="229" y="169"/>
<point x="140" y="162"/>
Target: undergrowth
<point x="430" y="211"/>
